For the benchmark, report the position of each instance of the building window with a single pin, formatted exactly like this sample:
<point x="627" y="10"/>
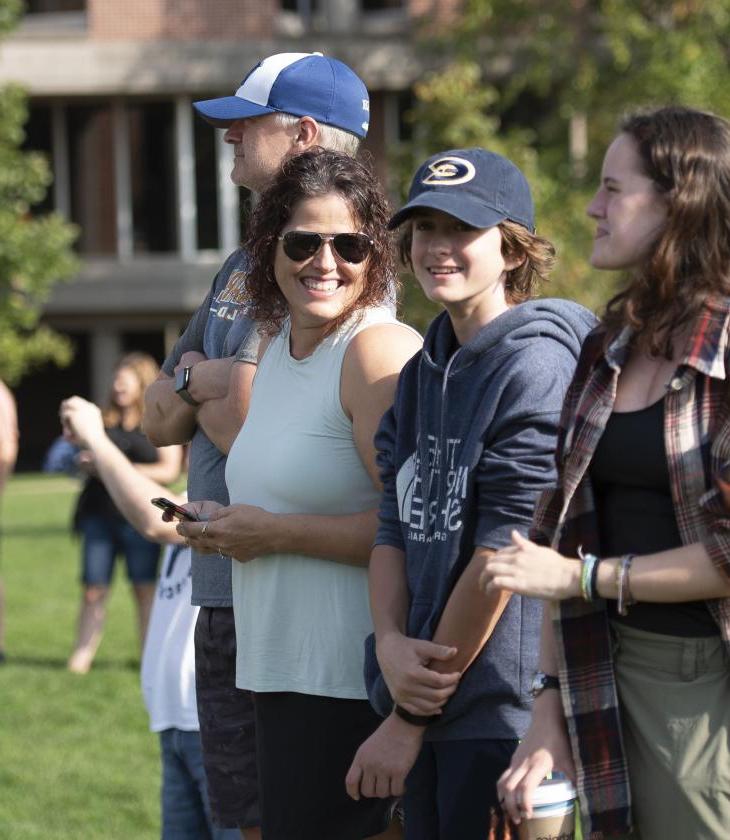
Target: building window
<point x="381" y="5"/>
<point x="153" y="158"/>
<point x="405" y="100"/>
<point x="39" y="395"/>
<point x="300" y="7"/>
<point x="384" y="17"/>
<point x="117" y="172"/>
<point x="91" y="175"/>
<point x="299" y="16"/>
<point x="206" y="185"/>
<point x="42" y="7"/>
<point x="39" y="138"/>
<point x="147" y="341"/>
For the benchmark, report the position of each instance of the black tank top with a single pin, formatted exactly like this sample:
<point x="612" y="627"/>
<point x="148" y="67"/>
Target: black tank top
<point x="630" y="479"/>
<point x="94" y="500"/>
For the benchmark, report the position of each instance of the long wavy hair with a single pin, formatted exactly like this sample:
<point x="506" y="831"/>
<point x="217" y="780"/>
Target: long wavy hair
<point x="686" y="154"/>
<point x="146" y="369"/>
<point x="317" y="172"/>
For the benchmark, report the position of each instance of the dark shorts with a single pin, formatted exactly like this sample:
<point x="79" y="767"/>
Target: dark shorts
<point x="452" y="789"/>
<point x="305" y="745"/>
<point x="103" y="539"/>
<point x="226" y="722"/>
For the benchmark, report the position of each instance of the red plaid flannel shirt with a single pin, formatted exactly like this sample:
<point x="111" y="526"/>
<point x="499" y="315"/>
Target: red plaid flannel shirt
<point x="697" y="437"/>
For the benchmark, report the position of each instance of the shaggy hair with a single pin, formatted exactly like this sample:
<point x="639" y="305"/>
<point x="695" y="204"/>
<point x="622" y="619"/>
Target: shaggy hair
<point x="521" y="283"/>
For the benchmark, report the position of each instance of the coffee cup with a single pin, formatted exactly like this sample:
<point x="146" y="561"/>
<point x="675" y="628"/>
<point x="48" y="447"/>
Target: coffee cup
<point x="553" y="812"/>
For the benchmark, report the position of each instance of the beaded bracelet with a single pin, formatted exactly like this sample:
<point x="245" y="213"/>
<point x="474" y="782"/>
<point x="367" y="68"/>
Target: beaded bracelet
<point x="588" y="574"/>
<point x="594" y="579"/>
<point x="625" y="600"/>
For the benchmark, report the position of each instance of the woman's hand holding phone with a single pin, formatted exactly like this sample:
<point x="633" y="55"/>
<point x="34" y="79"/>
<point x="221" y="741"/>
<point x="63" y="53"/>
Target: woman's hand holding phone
<point x="172" y="511"/>
<point x="195" y="532"/>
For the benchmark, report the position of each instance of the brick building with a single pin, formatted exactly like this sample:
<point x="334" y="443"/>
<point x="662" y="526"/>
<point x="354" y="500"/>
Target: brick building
<point x="111" y="84"/>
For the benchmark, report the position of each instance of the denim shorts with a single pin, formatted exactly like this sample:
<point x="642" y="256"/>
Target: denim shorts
<point x="105" y="538"/>
<point x="184" y="797"/>
<point x="226" y="718"/>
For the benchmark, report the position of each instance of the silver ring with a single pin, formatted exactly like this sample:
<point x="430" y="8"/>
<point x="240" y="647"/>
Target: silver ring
<point x="205" y="527"/>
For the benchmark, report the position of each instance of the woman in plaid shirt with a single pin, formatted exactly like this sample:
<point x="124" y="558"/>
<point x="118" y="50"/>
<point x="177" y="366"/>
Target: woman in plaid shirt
<point x="632" y="548"/>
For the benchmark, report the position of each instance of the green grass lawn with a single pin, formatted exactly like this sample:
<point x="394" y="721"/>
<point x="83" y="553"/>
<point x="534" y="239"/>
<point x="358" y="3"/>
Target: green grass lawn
<point x="76" y="758"/>
<point x="77" y="761"/>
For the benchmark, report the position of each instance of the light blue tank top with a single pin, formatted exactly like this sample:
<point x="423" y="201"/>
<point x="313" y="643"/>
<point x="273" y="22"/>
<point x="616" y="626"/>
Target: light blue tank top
<point x="301" y="621"/>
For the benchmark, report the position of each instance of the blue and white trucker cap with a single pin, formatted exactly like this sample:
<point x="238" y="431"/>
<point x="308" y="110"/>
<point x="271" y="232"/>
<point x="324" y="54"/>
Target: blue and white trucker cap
<point x="479" y="187"/>
<point x="301" y="84"/>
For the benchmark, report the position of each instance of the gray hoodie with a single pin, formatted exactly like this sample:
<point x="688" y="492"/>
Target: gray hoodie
<point x="463" y="453"/>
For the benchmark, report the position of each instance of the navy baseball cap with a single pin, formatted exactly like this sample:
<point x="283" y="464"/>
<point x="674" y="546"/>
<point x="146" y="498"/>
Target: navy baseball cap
<point x="479" y="187"/>
<point x="301" y="84"/>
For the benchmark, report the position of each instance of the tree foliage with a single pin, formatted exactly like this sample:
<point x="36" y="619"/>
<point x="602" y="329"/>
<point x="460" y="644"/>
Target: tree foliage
<point x="519" y="74"/>
<point x="35" y="252"/>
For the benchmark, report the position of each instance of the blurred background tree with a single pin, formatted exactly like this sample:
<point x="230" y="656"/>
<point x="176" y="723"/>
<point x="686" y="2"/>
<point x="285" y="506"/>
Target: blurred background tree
<point x="35" y="251"/>
<point x="545" y="82"/>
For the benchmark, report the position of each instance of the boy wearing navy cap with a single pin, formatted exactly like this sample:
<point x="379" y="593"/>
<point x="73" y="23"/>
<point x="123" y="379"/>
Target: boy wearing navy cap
<point x="287" y="104"/>
<point x="463" y="453"/>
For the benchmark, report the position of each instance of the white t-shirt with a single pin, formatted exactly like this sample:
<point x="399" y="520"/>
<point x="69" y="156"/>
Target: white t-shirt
<point x="301" y="621"/>
<point x="168" y="660"/>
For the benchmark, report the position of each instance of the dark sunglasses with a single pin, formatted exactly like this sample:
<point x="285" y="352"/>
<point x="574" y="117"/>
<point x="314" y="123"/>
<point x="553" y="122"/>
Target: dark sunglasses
<point x="300" y="245"/>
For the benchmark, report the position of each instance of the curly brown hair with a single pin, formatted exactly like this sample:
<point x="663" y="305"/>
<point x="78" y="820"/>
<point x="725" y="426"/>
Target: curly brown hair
<point x="521" y="283"/>
<point x="317" y="172"/>
<point x="686" y="153"/>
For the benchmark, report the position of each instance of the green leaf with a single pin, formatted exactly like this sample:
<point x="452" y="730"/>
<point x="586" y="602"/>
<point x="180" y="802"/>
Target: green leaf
<point x="36" y="251"/>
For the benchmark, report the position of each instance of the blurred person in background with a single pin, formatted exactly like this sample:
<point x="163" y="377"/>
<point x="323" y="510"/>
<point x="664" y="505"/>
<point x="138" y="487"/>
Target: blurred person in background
<point x="104" y="532"/>
<point x="8" y="456"/>
<point x="168" y="660"/>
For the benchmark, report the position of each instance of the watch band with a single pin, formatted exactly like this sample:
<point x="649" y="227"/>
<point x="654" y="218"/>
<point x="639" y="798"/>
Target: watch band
<point x="182" y="380"/>
<point x="414" y="720"/>
<point x="541" y="681"/>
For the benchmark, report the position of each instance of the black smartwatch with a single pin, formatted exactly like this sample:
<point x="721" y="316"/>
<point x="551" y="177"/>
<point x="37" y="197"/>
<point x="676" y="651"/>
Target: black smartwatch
<point x="541" y="681"/>
<point x="182" y="380"/>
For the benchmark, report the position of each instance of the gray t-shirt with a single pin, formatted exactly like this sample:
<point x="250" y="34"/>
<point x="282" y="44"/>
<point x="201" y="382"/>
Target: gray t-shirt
<point x="220" y="328"/>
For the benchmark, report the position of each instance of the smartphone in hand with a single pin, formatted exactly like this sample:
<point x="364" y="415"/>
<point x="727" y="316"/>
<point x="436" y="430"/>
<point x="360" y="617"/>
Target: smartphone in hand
<point x="174" y="510"/>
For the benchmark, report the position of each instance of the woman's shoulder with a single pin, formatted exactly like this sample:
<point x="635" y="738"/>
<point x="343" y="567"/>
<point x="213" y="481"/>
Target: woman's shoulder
<point x="382" y="334"/>
<point x="383" y="315"/>
<point x="380" y="347"/>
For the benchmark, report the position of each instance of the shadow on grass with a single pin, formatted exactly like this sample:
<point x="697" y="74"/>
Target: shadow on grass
<point x="59" y="664"/>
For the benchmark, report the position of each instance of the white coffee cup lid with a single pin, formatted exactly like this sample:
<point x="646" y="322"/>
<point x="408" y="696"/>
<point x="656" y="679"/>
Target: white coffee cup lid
<point x="552" y="791"/>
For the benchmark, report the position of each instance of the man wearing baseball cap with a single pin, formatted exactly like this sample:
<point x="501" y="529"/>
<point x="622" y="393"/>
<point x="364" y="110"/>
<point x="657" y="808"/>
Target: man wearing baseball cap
<point x="287" y="104"/>
<point x="463" y="453"/>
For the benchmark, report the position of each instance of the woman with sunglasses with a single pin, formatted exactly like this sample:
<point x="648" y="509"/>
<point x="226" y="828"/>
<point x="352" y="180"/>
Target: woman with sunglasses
<point x="636" y="699"/>
<point x="304" y="487"/>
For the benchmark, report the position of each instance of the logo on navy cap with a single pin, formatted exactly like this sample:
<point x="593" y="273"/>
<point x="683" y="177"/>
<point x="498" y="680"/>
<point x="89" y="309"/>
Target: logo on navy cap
<point x="449" y="172"/>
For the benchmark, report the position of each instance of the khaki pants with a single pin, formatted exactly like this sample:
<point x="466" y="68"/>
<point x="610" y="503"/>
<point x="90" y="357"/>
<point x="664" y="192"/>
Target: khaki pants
<point x="674" y="698"/>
